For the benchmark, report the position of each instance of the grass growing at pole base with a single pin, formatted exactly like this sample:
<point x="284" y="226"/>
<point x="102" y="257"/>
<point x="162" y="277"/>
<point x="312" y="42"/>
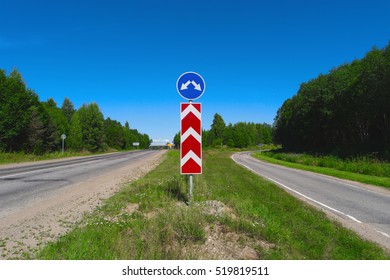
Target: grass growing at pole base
<point x="234" y="215"/>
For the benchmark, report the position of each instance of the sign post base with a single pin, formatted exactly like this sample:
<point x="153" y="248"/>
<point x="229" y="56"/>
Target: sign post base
<point x="191" y="187"/>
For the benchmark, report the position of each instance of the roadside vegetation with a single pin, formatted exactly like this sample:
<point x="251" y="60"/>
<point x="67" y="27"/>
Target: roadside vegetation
<point x="30" y="126"/>
<point x="239" y="135"/>
<point x="345" y="112"/>
<point x="9" y="158"/>
<point x="234" y="215"/>
<point x="364" y="169"/>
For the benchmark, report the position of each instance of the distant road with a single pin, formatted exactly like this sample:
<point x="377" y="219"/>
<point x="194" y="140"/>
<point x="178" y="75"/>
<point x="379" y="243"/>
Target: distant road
<point x="364" y="209"/>
<point x="26" y="184"/>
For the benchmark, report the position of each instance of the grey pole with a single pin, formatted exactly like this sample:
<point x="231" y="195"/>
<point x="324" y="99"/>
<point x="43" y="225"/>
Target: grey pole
<point x="191" y="175"/>
<point x="63" y="136"/>
<point x="191" y="186"/>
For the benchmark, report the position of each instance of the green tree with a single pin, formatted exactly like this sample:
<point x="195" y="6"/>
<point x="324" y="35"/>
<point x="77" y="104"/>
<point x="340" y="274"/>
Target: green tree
<point x="75" y="137"/>
<point x="36" y="131"/>
<point x="266" y="132"/>
<point x="50" y="103"/>
<point x="92" y="124"/>
<point x="144" y="141"/>
<point x="127" y="136"/>
<point x="114" y="134"/>
<point x="176" y="140"/>
<point x="68" y="109"/>
<point x="217" y="130"/>
<point x="57" y="125"/>
<point x="346" y="111"/>
<point x="240" y="135"/>
<point x="15" y="111"/>
<point x="229" y="136"/>
<point x="26" y="124"/>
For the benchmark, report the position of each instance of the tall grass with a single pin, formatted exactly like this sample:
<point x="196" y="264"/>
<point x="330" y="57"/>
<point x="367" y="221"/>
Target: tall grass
<point x="360" y="165"/>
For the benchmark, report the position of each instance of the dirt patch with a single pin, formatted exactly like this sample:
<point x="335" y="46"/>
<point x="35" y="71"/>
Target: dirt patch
<point x="23" y="232"/>
<point x="221" y="242"/>
<point x="216" y="208"/>
<point x="130" y="208"/>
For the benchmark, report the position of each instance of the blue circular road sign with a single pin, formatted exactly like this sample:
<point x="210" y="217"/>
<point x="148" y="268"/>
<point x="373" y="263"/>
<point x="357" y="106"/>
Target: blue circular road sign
<point x="190" y="85"/>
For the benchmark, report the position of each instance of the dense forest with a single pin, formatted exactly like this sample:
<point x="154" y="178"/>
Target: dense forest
<point x="32" y="126"/>
<point x="239" y="135"/>
<point x="345" y="112"/>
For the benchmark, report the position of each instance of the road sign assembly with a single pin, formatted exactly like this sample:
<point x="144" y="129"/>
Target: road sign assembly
<point x="190" y="138"/>
<point x="190" y="86"/>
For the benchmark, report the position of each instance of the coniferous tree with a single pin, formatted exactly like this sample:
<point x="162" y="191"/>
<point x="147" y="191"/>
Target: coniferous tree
<point x="217" y="130"/>
<point x="68" y="109"/>
<point x="36" y="131"/>
<point x="15" y="111"/>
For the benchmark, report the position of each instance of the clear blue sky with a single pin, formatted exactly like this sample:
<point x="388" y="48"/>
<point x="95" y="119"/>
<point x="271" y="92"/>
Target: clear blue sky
<point x="127" y="55"/>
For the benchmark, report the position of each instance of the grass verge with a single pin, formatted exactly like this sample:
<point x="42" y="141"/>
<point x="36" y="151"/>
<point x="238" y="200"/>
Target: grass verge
<point x="308" y="163"/>
<point x="234" y="215"/>
<point x="9" y="158"/>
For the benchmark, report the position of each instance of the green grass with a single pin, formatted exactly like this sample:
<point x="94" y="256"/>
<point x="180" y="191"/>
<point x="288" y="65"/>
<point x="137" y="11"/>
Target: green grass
<point x="364" y="170"/>
<point x="9" y="158"/>
<point x="164" y="227"/>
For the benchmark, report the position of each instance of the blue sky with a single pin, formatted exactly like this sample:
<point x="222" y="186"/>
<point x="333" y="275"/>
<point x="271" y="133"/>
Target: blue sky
<point x="127" y="55"/>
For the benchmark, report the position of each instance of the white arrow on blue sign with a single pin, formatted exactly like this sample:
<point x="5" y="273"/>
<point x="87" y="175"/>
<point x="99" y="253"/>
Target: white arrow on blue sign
<point x="190" y="85"/>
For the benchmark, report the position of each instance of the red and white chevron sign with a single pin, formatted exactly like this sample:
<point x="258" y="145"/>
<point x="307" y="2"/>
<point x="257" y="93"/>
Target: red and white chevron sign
<point x="190" y="138"/>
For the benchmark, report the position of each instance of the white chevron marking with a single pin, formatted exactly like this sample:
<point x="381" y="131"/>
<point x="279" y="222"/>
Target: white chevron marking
<point x="192" y="132"/>
<point x="189" y="109"/>
<point x="192" y="155"/>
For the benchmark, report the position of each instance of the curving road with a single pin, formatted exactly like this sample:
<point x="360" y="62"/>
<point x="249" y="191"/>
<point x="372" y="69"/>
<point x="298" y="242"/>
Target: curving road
<point x="362" y="208"/>
<point x="21" y="186"/>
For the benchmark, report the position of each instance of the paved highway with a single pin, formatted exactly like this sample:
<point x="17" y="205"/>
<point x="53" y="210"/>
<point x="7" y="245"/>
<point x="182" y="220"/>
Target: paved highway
<point x="21" y="186"/>
<point x="365" y="209"/>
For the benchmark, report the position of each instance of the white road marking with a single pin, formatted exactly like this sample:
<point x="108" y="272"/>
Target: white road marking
<point x="327" y="177"/>
<point x="383" y="233"/>
<point x="354" y="219"/>
<point x="301" y="194"/>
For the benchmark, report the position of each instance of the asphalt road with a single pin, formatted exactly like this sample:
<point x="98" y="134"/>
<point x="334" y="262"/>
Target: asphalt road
<point x="23" y="185"/>
<point x="365" y="209"/>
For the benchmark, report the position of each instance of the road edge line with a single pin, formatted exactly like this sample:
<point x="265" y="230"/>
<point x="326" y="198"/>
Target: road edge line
<point x="300" y="194"/>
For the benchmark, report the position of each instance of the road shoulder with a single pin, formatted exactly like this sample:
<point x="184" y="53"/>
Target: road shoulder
<point x="26" y="230"/>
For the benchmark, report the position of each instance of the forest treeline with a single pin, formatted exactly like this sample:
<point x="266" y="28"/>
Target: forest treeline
<point x="239" y="135"/>
<point x="345" y="112"/>
<point x="32" y="126"/>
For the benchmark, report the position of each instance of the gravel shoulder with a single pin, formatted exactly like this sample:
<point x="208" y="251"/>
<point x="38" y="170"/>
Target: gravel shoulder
<point x="23" y="232"/>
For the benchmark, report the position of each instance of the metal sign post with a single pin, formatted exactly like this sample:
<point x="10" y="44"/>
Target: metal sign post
<point x="191" y="186"/>
<point x="190" y="86"/>
<point x="63" y="137"/>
